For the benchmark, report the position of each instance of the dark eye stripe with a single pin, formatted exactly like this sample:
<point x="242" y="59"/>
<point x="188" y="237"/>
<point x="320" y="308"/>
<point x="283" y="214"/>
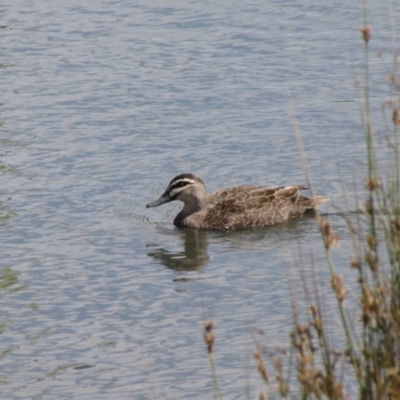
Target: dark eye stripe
<point x="180" y="184"/>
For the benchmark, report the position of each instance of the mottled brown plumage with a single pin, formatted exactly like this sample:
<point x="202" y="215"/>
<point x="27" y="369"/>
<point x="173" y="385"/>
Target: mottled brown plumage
<point x="235" y="207"/>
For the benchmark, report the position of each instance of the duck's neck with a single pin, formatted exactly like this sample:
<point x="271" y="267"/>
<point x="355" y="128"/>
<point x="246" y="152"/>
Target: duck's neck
<point x="191" y="211"/>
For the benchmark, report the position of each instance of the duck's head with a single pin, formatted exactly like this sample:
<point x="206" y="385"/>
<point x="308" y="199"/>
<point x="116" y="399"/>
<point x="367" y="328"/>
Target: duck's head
<point x="187" y="188"/>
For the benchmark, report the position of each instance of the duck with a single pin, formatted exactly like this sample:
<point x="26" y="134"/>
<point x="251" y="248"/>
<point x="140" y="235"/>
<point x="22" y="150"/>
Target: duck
<point x="233" y="208"/>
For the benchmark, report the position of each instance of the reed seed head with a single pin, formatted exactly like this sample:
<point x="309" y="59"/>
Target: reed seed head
<point x="368" y="207"/>
<point x="208" y="335"/>
<point x="355" y="263"/>
<point x="368" y="302"/>
<point x="327" y="227"/>
<point x="313" y="311"/>
<point x="371" y="240"/>
<point x="396" y="224"/>
<point x="331" y="239"/>
<point x="303" y="329"/>
<point x="262" y="395"/>
<point x="209" y="325"/>
<point x="368" y="298"/>
<point x="338" y="287"/>
<point x="366" y="33"/>
<point x="278" y="363"/>
<point x="283" y="387"/>
<point x="396" y="116"/>
<point x="372" y="260"/>
<point x="261" y="366"/>
<point x="319" y="325"/>
<point x="373" y="184"/>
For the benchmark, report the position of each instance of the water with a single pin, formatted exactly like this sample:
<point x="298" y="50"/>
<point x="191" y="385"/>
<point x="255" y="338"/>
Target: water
<point x="102" y="104"/>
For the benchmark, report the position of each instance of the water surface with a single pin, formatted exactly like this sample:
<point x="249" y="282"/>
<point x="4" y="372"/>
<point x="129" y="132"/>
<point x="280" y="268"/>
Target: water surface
<point x="102" y="104"/>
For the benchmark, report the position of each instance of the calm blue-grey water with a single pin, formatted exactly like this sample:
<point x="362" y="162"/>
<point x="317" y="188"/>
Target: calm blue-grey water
<point x="102" y="103"/>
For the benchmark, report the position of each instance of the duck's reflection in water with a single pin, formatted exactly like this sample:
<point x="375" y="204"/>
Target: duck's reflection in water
<point x="193" y="257"/>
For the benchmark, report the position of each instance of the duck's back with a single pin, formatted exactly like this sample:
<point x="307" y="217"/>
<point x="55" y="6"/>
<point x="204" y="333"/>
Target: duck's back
<point x="256" y="206"/>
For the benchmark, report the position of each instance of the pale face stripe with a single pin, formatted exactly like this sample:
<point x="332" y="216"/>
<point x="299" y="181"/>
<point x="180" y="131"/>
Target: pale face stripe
<point x="174" y="188"/>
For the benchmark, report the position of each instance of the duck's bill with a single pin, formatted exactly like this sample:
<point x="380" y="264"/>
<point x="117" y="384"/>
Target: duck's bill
<point x="161" y="200"/>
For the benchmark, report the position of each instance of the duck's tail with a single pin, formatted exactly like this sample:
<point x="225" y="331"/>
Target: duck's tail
<point x="318" y="200"/>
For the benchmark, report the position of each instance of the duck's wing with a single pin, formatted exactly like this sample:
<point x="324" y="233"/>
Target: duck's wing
<point x="242" y="198"/>
<point x="251" y="206"/>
